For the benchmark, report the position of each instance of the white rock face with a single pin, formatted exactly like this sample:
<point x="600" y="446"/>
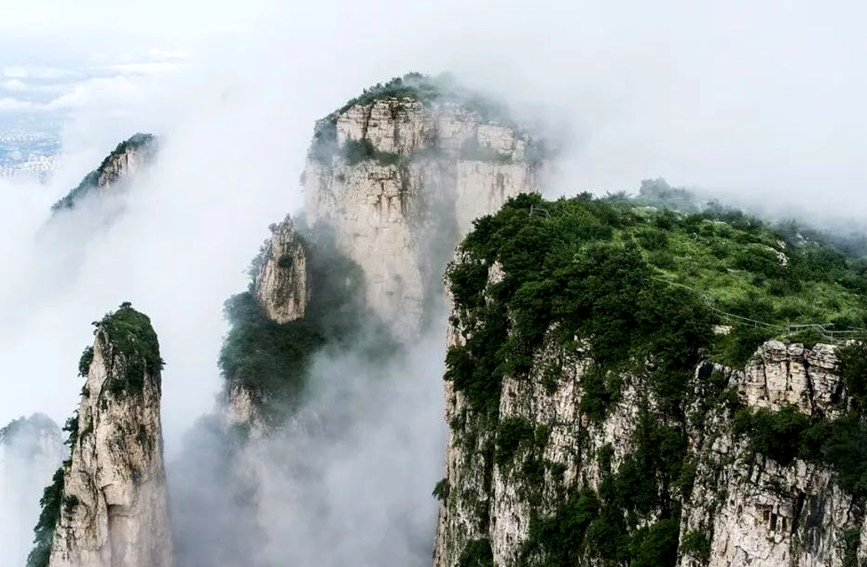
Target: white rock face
<point x="399" y="218"/>
<point x="782" y="374"/>
<point x="31" y="449"/>
<point x="502" y="511"/>
<point x="283" y="280"/>
<point x="115" y="510"/>
<point x="126" y="163"/>
<point x="751" y="510"/>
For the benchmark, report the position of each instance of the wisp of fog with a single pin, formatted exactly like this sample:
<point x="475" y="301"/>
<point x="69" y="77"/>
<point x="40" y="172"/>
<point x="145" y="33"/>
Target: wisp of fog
<point x="751" y="100"/>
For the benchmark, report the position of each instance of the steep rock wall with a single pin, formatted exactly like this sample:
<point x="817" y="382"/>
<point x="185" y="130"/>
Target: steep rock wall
<point x="282" y="281"/>
<point x="431" y="169"/>
<point x="753" y="510"/>
<point x="746" y="508"/>
<point x="115" y="505"/>
<point x="125" y="161"/>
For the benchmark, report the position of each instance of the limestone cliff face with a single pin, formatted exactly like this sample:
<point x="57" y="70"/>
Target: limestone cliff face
<point x="31" y="449"/>
<point x="399" y="180"/>
<point x="282" y="279"/>
<point x="114" y="508"/>
<point x="748" y="509"/>
<point x="127" y="159"/>
<point x="753" y="510"/>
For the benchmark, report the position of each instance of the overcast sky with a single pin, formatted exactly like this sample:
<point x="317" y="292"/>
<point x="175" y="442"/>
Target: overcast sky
<point x="756" y="99"/>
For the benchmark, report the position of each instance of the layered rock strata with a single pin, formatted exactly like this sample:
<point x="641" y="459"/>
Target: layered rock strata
<point x="400" y="180"/>
<point x="114" y="504"/>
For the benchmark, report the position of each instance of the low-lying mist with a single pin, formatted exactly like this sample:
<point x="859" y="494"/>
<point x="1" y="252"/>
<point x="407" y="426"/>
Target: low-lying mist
<point x="767" y="112"/>
<point x="347" y="478"/>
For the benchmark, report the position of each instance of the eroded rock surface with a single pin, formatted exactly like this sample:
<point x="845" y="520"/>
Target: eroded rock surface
<point x="283" y="279"/>
<point x="746" y="508"/>
<point x="114" y="510"/>
<point x="432" y="168"/>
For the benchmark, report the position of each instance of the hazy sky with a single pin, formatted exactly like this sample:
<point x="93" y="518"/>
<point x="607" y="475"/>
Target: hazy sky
<point x="757" y="99"/>
<point x="746" y="96"/>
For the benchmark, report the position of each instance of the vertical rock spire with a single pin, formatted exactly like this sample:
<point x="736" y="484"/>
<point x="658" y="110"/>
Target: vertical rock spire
<point x="109" y="501"/>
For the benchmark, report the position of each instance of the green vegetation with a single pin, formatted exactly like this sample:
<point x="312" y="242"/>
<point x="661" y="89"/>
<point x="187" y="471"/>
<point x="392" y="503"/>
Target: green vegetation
<point x="840" y="444"/>
<point x="636" y="289"/>
<point x="787" y="434"/>
<point x="853" y="371"/>
<point x="472" y="150"/>
<point x="416" y="87"/>
<point x="51" y="502"/>
<point x="477" y="553"/>
<point x="658" y="193"/>
<point x="511" y="432"/>
<point x="605" y="524"/>
<point x="696" y="544"/>
<point x="85" y="361"/>
<point x="134" y="341"/>
<point x="71" y="427"/>
<point x="135" y="347"/>
<point x="412" y="86"/>
<point x="271" y="360"/>
<point x="441" y="490"/>
<point x="851" y="541"/>
<point x="357" y="151"/>
<point x="90" y="181"/>
<point x="633" y="282"/>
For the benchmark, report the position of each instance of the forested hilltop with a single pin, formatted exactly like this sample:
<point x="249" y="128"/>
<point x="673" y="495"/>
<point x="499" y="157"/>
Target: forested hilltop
<point x="604" y="354"/>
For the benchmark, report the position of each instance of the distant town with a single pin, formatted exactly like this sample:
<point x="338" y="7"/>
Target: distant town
<point x="28" y="153"/>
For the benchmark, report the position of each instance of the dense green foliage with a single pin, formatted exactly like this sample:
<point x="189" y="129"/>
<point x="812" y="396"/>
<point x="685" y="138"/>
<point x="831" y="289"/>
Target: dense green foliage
<point x="85" y="361"/>
<point x="636" y="290"/>
<point x="412" y="86"/>
<point x="853" y="371"/>
<point x="272" y="360"/>
<point x="52" y="499"/>
<point x="510" y="433"/>
<point x="90" y="181"/>
<point x="477" y="553"/>
<point x="841" y="444"/>
<point x="696" y="544"/>
<point x="357" y="151"/>
<point x="605" y="524"/>
<point x="633" y="282"/>
<point x="52" y="502"/>
<point x="133" y="339"/>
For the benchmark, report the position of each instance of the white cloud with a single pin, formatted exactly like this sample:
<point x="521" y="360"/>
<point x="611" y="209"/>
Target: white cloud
<point x="146" y="67"/>
<point x="38" y="72"/>
<point x="748" y="98"/>
<point x="8" y="104"/>
<point x="14" y="85"/>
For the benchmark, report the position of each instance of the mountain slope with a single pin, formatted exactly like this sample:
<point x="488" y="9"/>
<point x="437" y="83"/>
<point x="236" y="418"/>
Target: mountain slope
<point x="128" y="157"/>
<point x="606" y="406"/>
<point x="108" y="503"/>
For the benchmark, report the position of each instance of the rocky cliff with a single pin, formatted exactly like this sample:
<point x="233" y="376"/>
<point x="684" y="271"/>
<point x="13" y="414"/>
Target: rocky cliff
<point x="749" y="509"/>
<point x="400" y="173"/>
<point x="31" y="449"/>
<point x="393" y="178"/>
<point x="108" y="505"/>
<point x="282" y="280"/>
<point x="128" y="158"/>
<point x="590" y="425"/>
